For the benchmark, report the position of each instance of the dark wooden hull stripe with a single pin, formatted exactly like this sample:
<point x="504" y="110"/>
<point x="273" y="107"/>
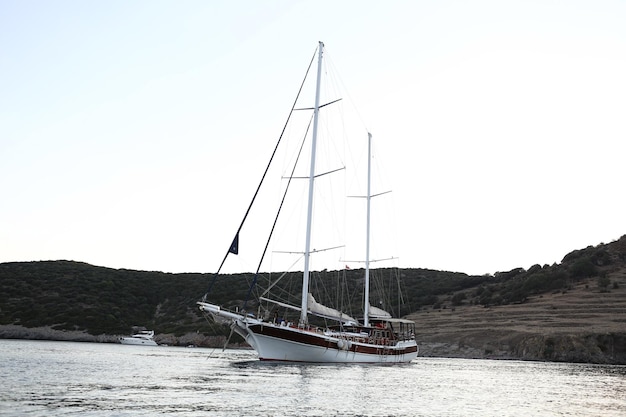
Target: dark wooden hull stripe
<point x="319" y="340"/>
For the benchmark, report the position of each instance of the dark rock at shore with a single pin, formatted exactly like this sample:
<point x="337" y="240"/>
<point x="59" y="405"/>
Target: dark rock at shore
<point x="47" y="333"/>
<point x="585" y="348"/>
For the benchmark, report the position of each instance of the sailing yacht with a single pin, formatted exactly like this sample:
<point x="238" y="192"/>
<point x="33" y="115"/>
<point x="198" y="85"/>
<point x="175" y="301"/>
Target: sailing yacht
<point x="377" y="337"/>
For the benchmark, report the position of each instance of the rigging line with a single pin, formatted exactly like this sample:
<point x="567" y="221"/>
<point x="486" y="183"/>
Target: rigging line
<point x="313" y="250"/>
<point x="282" y="202"/>
<point x="329" y="61"/>
<point x="320" y="106"/>
<point x="318" y="175"/>
<point x="372" y="196"/>
<point x="264" y="173"/>
<point x="280" y="277"/>
<point x="371" y="260"/>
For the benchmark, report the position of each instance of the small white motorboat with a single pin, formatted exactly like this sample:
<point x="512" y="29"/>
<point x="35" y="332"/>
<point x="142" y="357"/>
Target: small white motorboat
<point x="143" y="338"/>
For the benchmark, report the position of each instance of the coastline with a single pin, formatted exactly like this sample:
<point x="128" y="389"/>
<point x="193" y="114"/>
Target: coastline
<point x="11" y="331"/>
<point x="583" y="348"/>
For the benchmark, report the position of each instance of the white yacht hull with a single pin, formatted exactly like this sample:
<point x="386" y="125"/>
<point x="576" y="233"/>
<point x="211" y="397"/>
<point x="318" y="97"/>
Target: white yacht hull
<point x="281" y="342"/>
<point x="143" y="338"/>
<point x="137" y="341"/>
<point x="291" y="344"/>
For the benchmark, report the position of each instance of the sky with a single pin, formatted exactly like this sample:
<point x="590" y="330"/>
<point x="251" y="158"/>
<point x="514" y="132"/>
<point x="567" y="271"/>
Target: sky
<point x="133" y="134"/>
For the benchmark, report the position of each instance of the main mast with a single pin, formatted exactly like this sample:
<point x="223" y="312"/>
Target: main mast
<point x="307" y="249"/>
<point x="366" y="306"/>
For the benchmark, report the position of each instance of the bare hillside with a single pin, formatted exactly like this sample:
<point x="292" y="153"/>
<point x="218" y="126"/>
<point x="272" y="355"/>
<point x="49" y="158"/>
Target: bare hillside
<point x="583" y="324"/>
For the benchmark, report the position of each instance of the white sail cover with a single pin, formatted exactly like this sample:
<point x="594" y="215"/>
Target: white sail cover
<point x="378" y="313"/>
<point x="327" y="312"/>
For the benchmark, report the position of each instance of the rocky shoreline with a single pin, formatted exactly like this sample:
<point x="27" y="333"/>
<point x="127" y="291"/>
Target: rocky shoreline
<point x="582" y="348"/>
<point x="597" y="349"/>
<point x="47" y="333"/>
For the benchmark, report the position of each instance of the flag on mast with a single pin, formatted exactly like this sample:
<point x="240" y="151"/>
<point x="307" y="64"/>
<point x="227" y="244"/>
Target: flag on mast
<point x="234" y="247"/>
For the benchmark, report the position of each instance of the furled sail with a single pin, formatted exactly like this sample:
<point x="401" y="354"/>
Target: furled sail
<point x="321" y="310"/>
<point x="378" y="313"/>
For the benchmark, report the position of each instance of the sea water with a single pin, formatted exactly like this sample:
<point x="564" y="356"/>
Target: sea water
<point x="43" y="378"/>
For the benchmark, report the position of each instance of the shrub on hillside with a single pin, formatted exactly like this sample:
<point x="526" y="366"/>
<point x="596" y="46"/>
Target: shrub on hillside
<point x="457" y="299"/>
<point x="583" y="268"/>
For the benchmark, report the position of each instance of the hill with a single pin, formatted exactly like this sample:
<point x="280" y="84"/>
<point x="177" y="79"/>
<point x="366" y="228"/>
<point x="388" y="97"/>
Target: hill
<point x="575" y="311"/>
<point x="581" y="324"/>
<point x="67" y="300"/>
<point x="571" y="311"/>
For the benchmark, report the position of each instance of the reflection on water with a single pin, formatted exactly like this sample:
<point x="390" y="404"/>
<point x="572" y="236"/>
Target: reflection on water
<point x="64" y="379"/>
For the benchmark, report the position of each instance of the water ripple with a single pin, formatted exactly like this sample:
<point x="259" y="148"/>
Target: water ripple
<point x="85" y="379"/>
